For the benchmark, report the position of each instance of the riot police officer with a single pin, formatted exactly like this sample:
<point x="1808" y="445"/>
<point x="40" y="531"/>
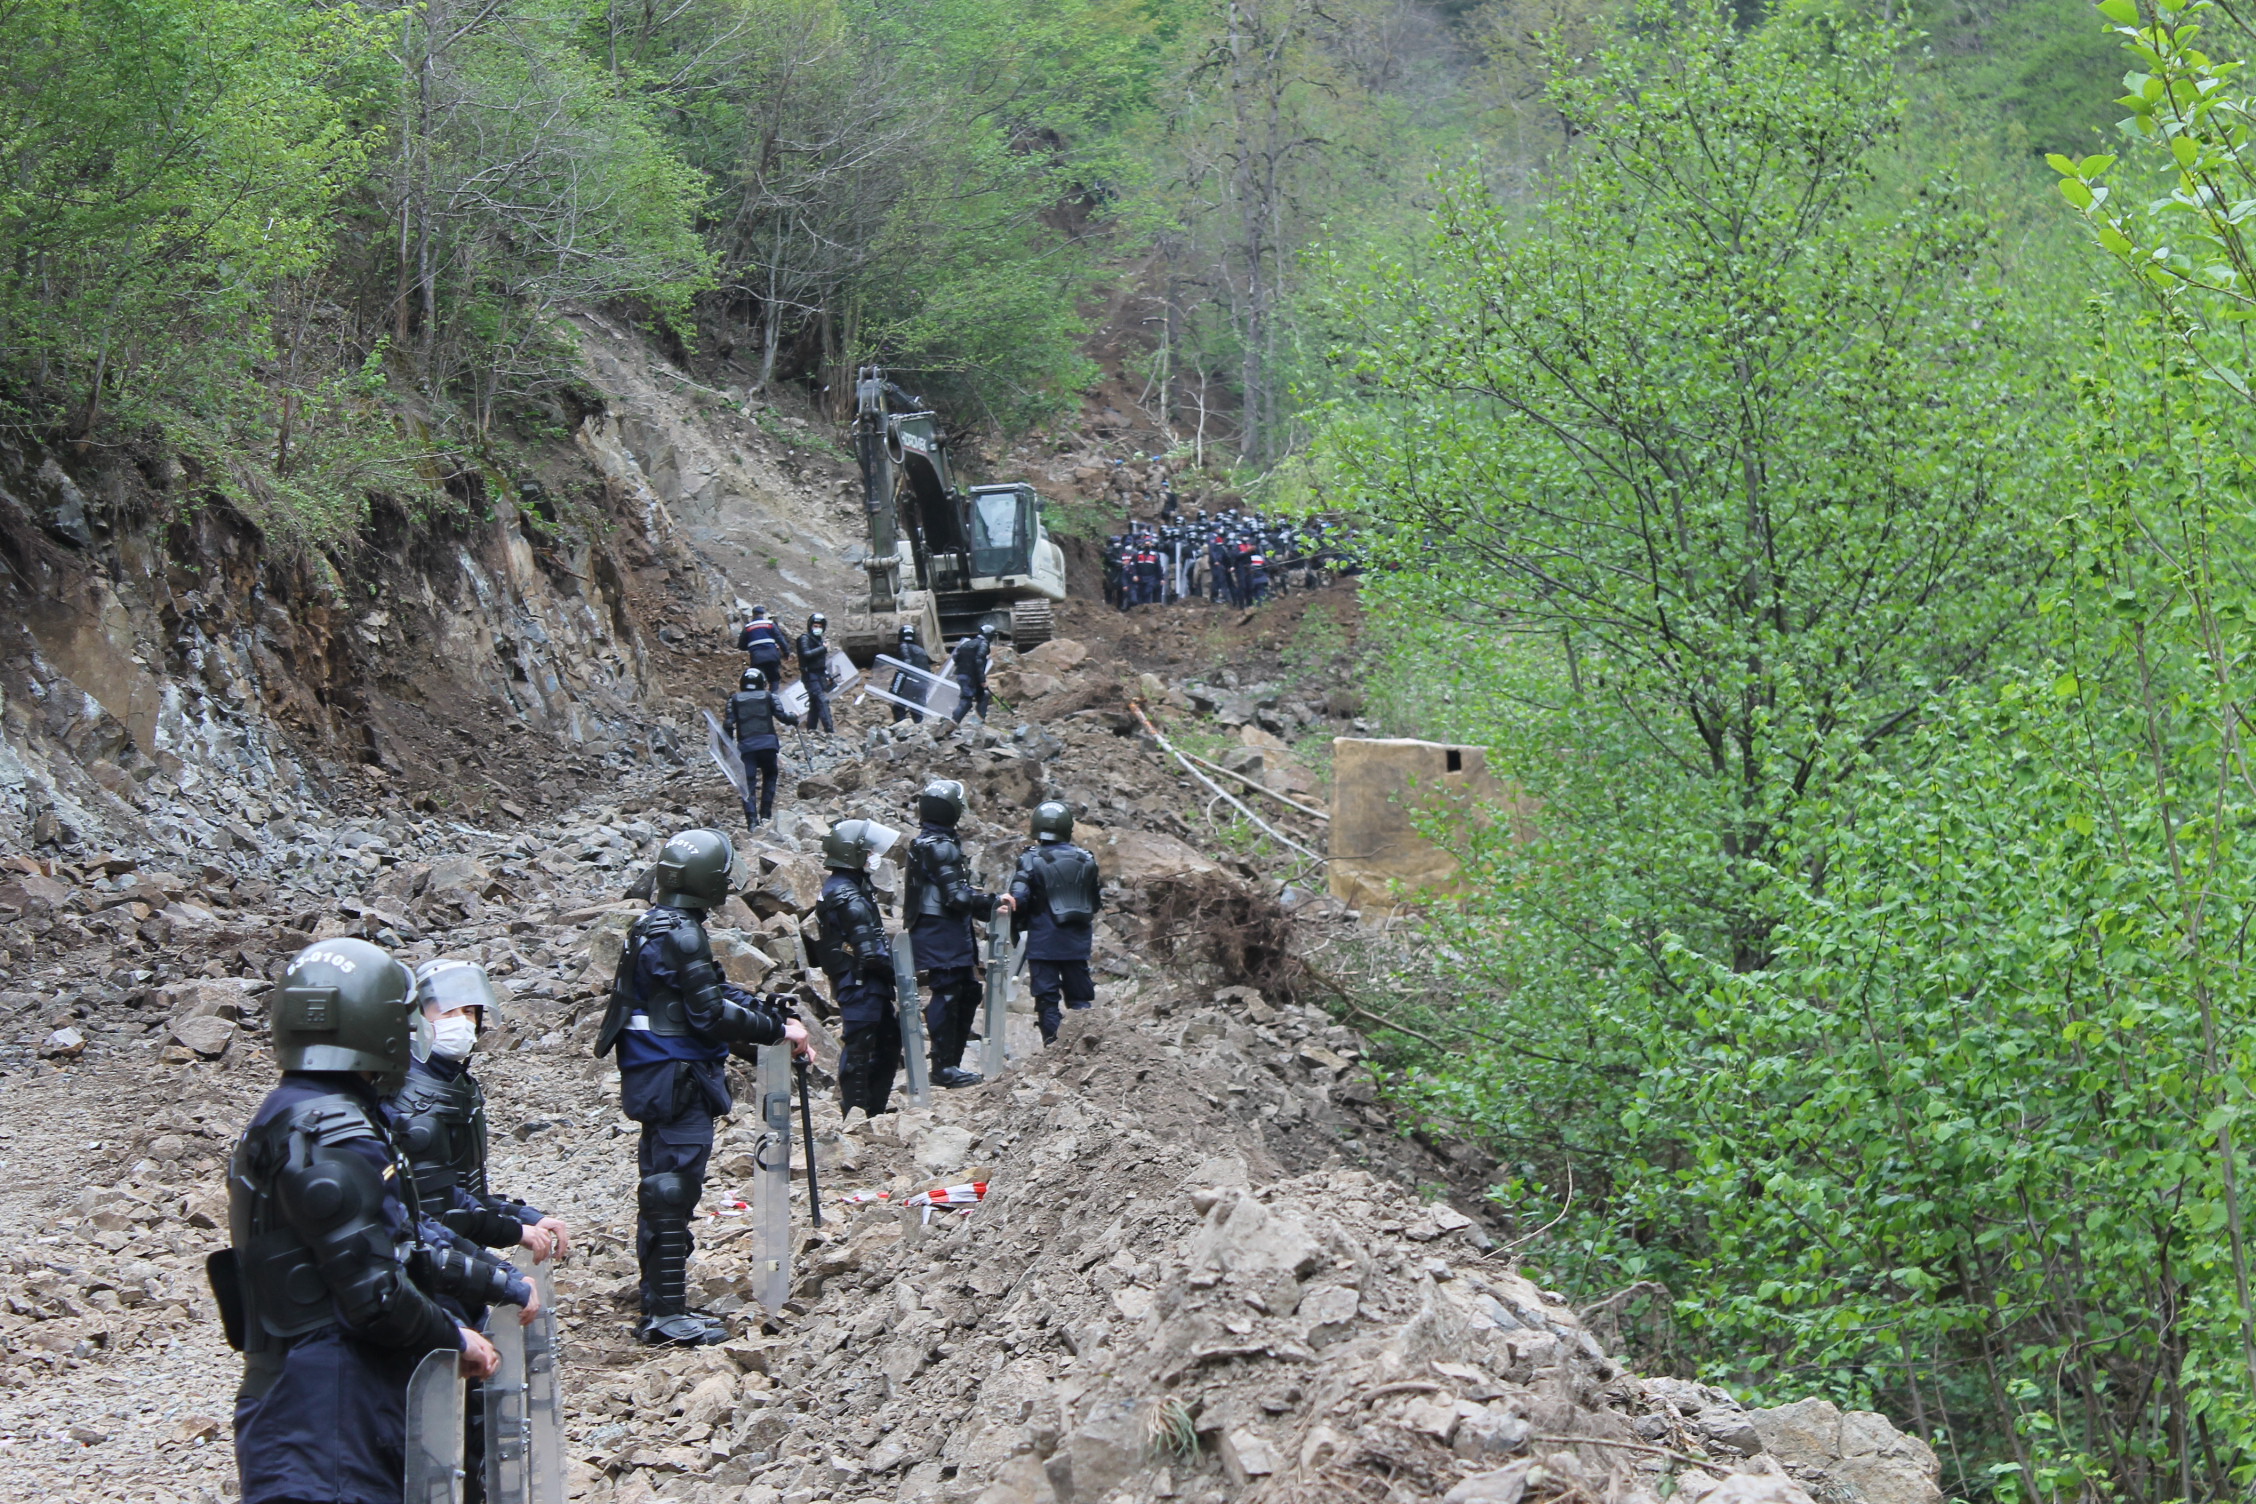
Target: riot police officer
<point x="909" y="686"/>
<point x="762" y="641"/>
<point x="439" y="1120"/>
<point x="439" y="1117"/>
<point x="327" y="1289"/>
<point x="814" y="670"/>
<point x="858" y="959"/>
<point x="750" y="719"/>
<point x="940" y="903"/>
<point x="673" y="1020"/>
<point x="970" y="662"/>
<point x="1056" y="893"/>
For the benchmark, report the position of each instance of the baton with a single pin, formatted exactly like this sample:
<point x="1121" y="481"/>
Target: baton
<point x="807" y="1127"/>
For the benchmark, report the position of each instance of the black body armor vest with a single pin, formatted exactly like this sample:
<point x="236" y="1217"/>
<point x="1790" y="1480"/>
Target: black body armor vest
<point x="282" y="1291"/>
<point x="934" y="862"/>
<point x="443" y="1131"/>
<point x="1069" y="883"/>
<point x="751" y="712"/>
<point x="666" y="1007"/>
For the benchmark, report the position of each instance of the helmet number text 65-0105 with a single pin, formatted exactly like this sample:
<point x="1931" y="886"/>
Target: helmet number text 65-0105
<point x="325" y="958"/>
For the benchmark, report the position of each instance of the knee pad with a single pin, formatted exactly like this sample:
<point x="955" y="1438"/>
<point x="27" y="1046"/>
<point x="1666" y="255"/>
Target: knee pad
<point x="671" y="1194"/>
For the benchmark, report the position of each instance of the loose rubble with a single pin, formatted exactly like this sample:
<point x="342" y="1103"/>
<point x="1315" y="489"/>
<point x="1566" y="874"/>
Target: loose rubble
<point x="1177" y="1256"/>
<point x="1188" y="1277"/>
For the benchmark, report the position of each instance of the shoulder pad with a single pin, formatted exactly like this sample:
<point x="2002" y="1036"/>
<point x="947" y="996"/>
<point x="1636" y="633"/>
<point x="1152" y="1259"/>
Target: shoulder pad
<point x="673" y="927"/>
<point x="420" y="1095"/>
<point x="334" y="1119"/>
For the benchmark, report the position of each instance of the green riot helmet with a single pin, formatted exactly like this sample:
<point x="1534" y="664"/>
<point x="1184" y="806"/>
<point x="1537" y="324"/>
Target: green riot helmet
<point x="693" y="869"/>
<point x="941" y="803"/>
<point x="345" y="1005"/>
<point x="853" y="844"/>
<point x="1052" y="822"/>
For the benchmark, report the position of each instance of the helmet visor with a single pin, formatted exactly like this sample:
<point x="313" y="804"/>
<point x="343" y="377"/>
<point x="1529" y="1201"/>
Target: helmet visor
<point x="448" y="985"/>
<point x="878" y="838"/>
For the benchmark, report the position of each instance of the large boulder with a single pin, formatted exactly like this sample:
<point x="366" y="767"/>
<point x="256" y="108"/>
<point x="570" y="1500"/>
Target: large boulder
<point x="1246" y="1237"/>
<point x="207" y="1034"/>
<point x="1138" y="856"/>
<point x="1858" y="1455"/>
<point x="1060" y="656"/>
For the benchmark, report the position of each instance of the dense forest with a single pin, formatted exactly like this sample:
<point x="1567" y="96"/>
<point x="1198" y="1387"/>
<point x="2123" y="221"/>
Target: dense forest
<point x="1810" y="444"/>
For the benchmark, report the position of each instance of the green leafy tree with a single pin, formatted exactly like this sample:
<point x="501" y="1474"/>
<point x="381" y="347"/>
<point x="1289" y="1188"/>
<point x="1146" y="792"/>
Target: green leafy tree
<point x="1745" y="434"/>
<point x="161" y="167"/>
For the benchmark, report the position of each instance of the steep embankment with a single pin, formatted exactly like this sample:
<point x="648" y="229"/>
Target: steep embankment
<point x="174" y="680"/>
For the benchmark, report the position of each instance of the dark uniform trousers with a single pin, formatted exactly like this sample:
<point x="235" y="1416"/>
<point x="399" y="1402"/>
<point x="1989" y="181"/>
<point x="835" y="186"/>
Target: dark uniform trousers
<point x="869" y="1047"/>
<point x="760" y="773"/>
<point x="1056" y="980"/>
<point x="949" y="1011"/>
<point x="818" y="697"/>
<point x="676" y="1102"/>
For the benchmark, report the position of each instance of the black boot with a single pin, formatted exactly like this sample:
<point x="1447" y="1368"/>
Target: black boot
<point x="947" y="1054"/>
<point x="667" y="1319"/>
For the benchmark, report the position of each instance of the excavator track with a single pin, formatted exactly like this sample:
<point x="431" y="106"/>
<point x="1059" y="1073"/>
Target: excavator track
<point x="1031" y="624"/>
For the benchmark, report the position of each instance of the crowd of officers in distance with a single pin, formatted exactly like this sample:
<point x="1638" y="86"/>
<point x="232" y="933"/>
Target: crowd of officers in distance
<point x="364" y="1232"/>
<point x="1235" y="556"/>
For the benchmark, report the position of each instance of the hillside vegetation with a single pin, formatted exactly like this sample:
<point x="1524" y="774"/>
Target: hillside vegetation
<point x="1808" y="443"/>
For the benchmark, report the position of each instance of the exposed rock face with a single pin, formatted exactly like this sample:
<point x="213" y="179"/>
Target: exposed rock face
<point x="1855" y="1456"/>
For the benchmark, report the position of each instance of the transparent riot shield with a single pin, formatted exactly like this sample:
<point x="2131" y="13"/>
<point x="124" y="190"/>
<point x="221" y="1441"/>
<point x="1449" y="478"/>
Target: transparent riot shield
<point x="544" y="1397"/>
<point x="996" y="1024"/>
<point x="771" y="1194"/>
<point x="507" y="1462"/>
<point x="524" y="1409"/>
<point x="434" y="1430"/>
<point x="913" y="688"/>
<point x="724" y="754"/>
<point x="911" y="1008"/>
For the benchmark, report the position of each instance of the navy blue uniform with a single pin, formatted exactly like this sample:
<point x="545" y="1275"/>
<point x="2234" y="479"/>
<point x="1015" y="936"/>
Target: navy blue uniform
<point x="971" y="678"/>
<point x="763" y="643"/>
<point x="1055" y="893"/>
<point x="678" y="1020"/>
<point x="814" y="672"/>
<point x="751" y="718"/>
<point x="908" y="686"/>
<point x="941" y="904"/>
<point x="857" y="957"/>
<point x="322" y="1413"/>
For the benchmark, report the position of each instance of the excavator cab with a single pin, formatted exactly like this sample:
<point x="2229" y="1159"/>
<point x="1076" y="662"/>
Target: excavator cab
<point x="1003" y="525"/>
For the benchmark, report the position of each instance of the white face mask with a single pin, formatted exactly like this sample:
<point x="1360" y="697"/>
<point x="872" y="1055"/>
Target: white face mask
<point x="453" y="1038"/>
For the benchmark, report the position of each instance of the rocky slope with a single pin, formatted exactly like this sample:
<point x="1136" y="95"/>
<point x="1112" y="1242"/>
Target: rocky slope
<point x="1203" y="1268"/>
<point x="175" y="679"/>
